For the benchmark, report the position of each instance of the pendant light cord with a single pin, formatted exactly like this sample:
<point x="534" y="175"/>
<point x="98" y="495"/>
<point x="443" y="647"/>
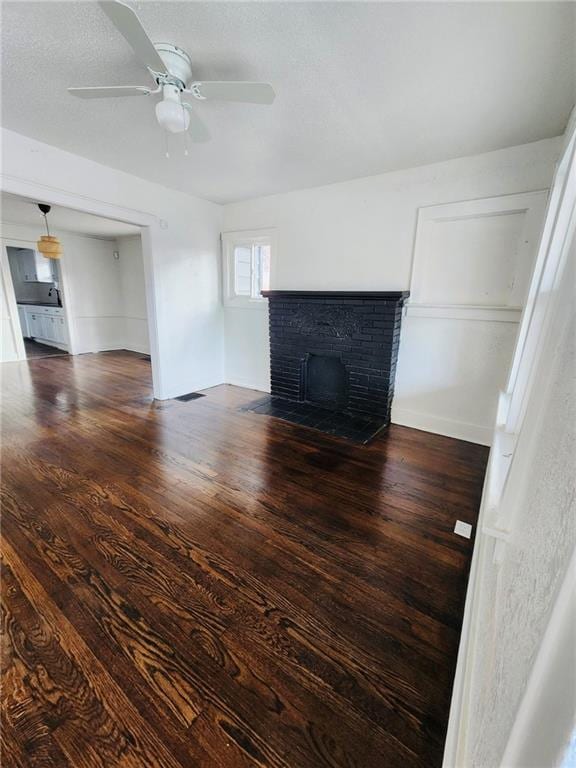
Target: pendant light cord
<point x="45" y="210"/>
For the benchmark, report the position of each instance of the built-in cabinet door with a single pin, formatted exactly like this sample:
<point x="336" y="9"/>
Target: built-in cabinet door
<point x="33" y="267"/>
<point x="26" y="265"/>
<point x="23" y="315"/>
<point x="57" y="329"/>
<point x="36" y="325"/>
<point x="47" y="324"/>
<point x="61" y="331"/>
<point x="50" y="328"/>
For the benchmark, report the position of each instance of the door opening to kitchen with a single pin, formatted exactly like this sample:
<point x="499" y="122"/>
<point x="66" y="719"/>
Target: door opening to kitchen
<point x="72" y="283"/>
<point x="37" y="287"/>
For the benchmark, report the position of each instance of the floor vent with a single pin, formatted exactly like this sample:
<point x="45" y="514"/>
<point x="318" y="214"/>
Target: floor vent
<point x="189" y="396"/>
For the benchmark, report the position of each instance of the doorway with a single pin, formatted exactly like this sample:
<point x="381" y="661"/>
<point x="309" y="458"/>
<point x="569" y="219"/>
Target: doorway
<point x="92" y="299"/>
<point x="37" y="282"/>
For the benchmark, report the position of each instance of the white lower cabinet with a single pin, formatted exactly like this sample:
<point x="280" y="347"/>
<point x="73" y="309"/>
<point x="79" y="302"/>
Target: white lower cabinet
<point x="61" y="331"/>
<point x="46" y="324"/>
<point x="36" y="325"/>
<point x="23" y="315"/>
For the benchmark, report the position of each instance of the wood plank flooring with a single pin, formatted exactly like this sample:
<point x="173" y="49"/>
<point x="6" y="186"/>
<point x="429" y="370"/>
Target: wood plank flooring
<point x="190" y="584"/>
<point x="36" y="349"/>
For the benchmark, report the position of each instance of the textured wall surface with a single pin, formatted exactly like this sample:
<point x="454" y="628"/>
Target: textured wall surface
<point x="518" y="595"/>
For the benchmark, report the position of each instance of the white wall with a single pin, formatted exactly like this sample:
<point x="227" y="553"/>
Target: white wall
<point x="360" y="235"/>
<point x="181" y="250"/>
<point x="514" y="696"/>
<point x="107" y="295"/>
<point x="516" y="629"/>
<point x="92" y="291"/>
<point x="133" y="293"/>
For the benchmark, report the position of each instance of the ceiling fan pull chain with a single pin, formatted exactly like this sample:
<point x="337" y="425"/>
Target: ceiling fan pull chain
<point x="167" y="152"/>
<point x="185" y="132"/>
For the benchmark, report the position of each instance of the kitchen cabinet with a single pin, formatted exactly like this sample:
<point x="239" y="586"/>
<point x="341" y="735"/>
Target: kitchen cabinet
<point x="45" y="324"/>
<point x="36" y="325"/>
<point x="54" y="329"/>
<point x="32" y="266"/>
<point x="23" y="315"/>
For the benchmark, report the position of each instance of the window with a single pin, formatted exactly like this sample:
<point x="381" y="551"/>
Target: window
<point x="247" y="264"/>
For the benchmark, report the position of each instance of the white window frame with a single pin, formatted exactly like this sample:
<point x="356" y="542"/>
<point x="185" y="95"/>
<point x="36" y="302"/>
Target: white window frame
<point x="247" y="238"/>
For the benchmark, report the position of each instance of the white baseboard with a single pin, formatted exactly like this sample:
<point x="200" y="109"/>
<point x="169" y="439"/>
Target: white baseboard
<point x="473" y="433"/>
<point x="100" y="348"/>
<point x="257" y="385"/>
<point x="193" y="387"/>
<point x="140" y="348"/>
<point x="455" y="747"/>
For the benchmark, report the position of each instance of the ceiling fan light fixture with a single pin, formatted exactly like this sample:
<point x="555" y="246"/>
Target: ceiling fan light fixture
<point x="170" y="113"/>
<point x="171" y="69"/>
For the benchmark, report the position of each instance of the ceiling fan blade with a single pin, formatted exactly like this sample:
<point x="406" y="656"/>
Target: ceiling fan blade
<point x="251" y="93"/>
<point x="128" y="24"/>
<point x="197" y="130"/>
<point x="105" y="92"/>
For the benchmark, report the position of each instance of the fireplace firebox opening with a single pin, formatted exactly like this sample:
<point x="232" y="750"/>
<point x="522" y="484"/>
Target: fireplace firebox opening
<point x="325" y="381"/>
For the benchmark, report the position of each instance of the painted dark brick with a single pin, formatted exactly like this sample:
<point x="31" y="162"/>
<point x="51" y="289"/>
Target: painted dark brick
<point x="360" y="329"/>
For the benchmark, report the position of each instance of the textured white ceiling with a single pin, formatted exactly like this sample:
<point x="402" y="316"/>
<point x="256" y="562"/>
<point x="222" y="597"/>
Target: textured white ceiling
<point x="362" y="88"/>
<point x="18" y="210"/>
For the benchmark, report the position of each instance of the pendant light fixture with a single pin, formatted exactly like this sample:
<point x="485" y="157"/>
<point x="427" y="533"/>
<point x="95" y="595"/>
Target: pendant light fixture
<point x="48" y="245"/>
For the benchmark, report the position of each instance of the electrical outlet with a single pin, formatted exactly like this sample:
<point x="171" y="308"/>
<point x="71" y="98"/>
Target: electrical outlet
<point x="463" y="529"/>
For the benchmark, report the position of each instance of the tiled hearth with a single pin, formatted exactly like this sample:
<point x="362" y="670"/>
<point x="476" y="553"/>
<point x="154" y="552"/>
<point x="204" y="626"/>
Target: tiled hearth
<point x="333" y="359"/>
<point x="359" y="429"/>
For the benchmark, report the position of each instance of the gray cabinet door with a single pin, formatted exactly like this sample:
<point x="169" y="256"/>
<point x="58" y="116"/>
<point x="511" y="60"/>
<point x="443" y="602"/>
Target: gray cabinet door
<point x="23" y="315"/>
<point x="33" y="267"/>
<point x="36" y="325"/>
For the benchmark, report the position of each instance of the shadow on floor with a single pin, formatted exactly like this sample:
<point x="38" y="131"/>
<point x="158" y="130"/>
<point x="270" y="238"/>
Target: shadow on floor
<point x="35" y="349"/>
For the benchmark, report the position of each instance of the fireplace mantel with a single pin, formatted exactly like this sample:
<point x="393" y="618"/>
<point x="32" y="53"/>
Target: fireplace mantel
<point x="386" y="295"/>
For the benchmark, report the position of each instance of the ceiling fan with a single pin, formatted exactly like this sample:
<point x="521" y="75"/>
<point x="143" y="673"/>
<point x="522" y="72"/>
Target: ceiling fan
<point x="171" y="68"/>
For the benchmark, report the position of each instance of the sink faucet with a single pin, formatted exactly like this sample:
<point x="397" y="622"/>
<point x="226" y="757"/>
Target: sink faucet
<point x="57" y="294"/>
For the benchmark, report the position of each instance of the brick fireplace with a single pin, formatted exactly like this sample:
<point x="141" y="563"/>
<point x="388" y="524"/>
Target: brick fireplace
<point x="335" y="351"/>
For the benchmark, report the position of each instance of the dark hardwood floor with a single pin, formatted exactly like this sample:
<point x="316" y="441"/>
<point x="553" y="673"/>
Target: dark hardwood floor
<point x="36" y="349"/>
<point x="189" y="584"/>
